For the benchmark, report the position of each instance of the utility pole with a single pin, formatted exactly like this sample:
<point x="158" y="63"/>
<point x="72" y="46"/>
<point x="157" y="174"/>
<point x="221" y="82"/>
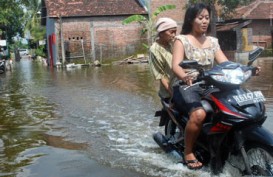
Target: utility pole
<point x="92" y="31"/>
<point x="62" y="41"/>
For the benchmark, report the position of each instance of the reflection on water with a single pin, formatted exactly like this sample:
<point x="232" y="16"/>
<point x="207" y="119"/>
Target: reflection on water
<point x="107" y="112"/>
<point x="22" y="116"/>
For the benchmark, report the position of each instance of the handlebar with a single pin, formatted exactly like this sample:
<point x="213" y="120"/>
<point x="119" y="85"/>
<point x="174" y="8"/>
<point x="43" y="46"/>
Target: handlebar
<point x="226" y="75"/>
<point x="196" y="83"/>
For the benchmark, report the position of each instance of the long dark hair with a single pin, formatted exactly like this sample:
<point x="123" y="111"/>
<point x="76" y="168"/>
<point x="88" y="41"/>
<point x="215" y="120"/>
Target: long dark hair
<point x="191" y="14"/>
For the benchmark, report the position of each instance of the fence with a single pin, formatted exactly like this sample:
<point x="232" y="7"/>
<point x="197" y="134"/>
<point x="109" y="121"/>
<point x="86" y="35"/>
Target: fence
<point x="82" y="50"/>
<point x="76" y="49"/>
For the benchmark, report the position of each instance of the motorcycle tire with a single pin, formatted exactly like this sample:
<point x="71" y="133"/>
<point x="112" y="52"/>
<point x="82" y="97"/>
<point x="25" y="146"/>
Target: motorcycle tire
<point x="171" y="130"/>
<point x="175" y="137"/>
<point x="260" y="159"/>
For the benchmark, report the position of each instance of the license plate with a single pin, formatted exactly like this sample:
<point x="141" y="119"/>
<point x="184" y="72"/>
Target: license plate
<point x="249" y="98"/>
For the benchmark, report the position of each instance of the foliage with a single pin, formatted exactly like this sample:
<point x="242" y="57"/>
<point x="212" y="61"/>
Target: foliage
<point x="19" y="16"/>
<point x="267" y="53"/>
<point x="148" y="22"/>
<point x="227" y="6"/>
<point x="38" y="33"/>
<point x="40" y="51"/>
<point x="33" y="20"/>
<point x="227" y="9"/>
<point x="162" y="9"/>
<point x="17" y="45"/>
<point x="11" y="13"/>
<point x="134" y="18"/>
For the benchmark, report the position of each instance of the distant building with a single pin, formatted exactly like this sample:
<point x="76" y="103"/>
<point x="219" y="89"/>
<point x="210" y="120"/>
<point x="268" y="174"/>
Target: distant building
<point x="93" y="29"/>
<point x="251" y="26"/>
<point x="260" y="12"/>
<point x="234" y="37"/>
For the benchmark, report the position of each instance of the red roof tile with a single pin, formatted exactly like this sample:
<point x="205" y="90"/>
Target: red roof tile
<point x="226" y="27"/>
<point x="232" y="25"/>
<point x="259" y="9"/>
<point x="72" y="8"/>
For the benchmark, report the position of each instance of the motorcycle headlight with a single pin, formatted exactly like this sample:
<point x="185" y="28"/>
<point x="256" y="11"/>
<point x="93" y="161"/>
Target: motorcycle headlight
<point x="233" y="76"/>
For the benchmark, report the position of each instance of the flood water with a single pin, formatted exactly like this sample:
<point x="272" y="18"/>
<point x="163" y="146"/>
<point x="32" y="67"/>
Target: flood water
<point x="90" y="121"/>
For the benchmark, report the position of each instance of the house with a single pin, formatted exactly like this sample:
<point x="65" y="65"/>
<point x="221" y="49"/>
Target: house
<point x="87" y="29"/>
<point x="235" y="38"/>
<point x="260" y="12"/>
<point x="93" y="30"/>
<point x="250" y="26"/>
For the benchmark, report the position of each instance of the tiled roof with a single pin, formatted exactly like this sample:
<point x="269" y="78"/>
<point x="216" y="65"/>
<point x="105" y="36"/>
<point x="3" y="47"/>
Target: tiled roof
<point x="226" y="27"/>
<point x="232" y="25"/>
<point x="259" y="9"/>
<point x="72" y="8"/>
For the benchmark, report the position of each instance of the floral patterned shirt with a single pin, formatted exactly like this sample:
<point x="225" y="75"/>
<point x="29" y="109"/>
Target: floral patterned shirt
<point x="204" y="56"/>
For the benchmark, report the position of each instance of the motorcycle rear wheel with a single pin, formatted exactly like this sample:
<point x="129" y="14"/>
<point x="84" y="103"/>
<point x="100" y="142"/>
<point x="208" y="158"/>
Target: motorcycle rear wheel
<point x="260" y="160"/>
<point x="175" y="137"/>
<point x="172" y="132"/>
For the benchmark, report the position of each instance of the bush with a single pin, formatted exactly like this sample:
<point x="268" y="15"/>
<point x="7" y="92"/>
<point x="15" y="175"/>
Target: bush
<point x="40" y="51"/>
<point x="267" y="53"/>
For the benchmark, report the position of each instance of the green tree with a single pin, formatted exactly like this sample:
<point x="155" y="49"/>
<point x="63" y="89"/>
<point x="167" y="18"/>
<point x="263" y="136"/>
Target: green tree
<point x="33" y="20"/>
<point x="11" y="13"/>
<point x="19" y="16"/>
<point x="148" y="22"/>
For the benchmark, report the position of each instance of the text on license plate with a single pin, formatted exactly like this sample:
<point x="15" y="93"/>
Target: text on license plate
<point x="249" y="98"/>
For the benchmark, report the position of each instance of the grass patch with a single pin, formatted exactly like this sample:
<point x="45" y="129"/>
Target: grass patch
<point x="267" y="53"/>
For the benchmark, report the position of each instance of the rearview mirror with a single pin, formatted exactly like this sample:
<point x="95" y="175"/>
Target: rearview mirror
<point x="253" y="55"/>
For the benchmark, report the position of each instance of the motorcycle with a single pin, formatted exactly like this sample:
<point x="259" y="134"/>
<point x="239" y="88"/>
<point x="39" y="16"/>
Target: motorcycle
<point x="233" y="125"/>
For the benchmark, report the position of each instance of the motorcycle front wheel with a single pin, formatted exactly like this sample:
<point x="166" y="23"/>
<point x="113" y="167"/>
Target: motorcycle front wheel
<point x="260" y="159"/>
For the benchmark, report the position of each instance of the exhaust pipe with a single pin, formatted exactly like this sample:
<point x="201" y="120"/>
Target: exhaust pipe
<point x="162" y="141"/>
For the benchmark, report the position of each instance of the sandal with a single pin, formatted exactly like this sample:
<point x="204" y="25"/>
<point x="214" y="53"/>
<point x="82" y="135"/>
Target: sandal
<point x="191" y="167"/>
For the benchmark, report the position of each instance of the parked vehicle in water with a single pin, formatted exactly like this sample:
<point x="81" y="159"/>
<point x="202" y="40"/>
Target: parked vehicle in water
<point x="233" y="128"/>
<point x="23" y="52"/>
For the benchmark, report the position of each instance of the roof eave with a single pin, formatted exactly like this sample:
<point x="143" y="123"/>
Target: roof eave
<point x="86" y="16"/>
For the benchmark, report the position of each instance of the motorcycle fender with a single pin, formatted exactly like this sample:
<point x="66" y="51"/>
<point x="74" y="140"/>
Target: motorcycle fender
<point x="163" y="117"/>
<point x="258" y="135"/>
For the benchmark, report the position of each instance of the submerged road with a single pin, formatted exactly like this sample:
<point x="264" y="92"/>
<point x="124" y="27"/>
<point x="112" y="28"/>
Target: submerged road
<point x="90" y="122"/>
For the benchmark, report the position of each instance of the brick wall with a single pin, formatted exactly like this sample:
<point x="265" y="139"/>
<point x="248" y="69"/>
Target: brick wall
<point x="111" y="39"/>
<point x="261" y="32"/>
